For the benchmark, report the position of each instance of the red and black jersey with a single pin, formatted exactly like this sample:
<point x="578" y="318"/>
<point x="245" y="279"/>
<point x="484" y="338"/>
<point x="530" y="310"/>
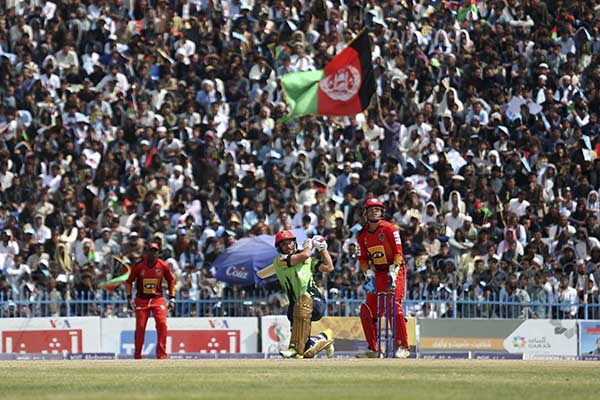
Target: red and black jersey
<point x="148" y="279"/>
<point x="381" y="247"/>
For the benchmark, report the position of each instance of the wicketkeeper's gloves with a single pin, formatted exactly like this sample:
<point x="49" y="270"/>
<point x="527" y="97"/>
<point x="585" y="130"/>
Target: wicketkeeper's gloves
<point x="369" y="284"/>
<point x="393" y="274"/>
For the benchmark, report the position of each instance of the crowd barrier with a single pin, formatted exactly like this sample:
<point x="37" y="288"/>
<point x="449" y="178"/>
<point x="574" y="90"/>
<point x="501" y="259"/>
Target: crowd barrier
<point x="439" y="304"/>
<point x="66" y="337"/>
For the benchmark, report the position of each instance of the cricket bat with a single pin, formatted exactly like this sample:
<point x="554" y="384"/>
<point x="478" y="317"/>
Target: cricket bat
<point x="266" y="272"/>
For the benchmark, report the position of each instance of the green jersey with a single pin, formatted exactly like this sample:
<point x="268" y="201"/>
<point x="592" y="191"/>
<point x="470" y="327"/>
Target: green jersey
<point x="297" y="279"/>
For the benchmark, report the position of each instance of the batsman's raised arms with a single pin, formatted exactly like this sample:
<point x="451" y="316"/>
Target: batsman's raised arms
<point x="266" y="272"/>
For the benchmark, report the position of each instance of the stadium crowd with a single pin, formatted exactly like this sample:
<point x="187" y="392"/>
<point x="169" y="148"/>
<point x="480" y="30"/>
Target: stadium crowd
<point x="126" y="121"/>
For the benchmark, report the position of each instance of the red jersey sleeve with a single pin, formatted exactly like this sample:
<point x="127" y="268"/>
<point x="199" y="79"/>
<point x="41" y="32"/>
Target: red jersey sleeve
<point x="170" y="278"/>
<point x="363" y="254"/>
<point x="392" y="235"/>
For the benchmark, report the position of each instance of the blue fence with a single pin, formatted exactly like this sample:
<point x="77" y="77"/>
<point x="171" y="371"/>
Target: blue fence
<point x="343" y="304"/>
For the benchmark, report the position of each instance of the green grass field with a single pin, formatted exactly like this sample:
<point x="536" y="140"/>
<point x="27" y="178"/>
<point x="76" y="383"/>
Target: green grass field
<point x="298" y="379"/>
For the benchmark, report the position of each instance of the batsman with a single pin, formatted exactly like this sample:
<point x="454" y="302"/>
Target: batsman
<point x="382" y="262"/>
<point x="295" y="269"/>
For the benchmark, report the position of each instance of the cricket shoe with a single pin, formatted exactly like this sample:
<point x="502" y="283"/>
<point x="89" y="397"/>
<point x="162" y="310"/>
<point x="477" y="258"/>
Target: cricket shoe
<point x="368" y="354"/>
<point x="330" y="349"/>
<point x="402" y="353"/>
<point x="289" y="353"/>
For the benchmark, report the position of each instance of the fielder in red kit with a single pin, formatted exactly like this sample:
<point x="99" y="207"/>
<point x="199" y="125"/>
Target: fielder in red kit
<point x="382" y="262"/>
<point x="148" y="275"/>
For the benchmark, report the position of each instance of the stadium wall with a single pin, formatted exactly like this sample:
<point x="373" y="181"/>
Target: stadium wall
<point x="529" y="338"/>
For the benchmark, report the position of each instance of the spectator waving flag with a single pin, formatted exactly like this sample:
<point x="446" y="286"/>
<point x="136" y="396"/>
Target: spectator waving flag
<point x="344" y="87"/>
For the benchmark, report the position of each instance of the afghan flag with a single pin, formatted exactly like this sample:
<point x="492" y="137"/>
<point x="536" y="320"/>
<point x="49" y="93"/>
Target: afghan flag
<point x="344" y="87"/>
<point x="554" y="33"/>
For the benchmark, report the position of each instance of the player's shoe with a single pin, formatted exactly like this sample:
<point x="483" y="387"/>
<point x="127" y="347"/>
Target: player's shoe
<point x="368" y="354"/>
<point x="402" y="353"/>
<point x="329" y="349"/>
<point x="289" y="353"/>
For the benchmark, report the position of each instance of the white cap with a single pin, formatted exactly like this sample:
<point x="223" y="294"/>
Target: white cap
<point x="44" y="262"/>
<point x="354" y="175"/>
<point x="144" y="142"/>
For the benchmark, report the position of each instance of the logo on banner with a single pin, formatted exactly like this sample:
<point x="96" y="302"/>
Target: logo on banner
<point x="185" y="341"/>
<point x="518" y="342"/>
<point x="543" y="337"/>
<point x="278" y="335"/>
<point x="218" y="323"/>
<point x="237" y="272"/>
<point x="46" y="341"/>
<point x="55" y="323"/>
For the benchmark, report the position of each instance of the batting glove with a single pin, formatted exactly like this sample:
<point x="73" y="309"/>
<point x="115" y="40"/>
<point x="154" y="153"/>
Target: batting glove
<point x="307" y="244"/>
<point x="171" y="305"/>
<point x="369" y="284"/>
<point x="319" y="242"/>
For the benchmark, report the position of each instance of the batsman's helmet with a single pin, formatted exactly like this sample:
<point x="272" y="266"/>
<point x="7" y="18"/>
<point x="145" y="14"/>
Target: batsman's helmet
<point x="283" y="235"/>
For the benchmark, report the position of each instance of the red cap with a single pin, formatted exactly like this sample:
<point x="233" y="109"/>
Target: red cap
<point x="154" y="246"/>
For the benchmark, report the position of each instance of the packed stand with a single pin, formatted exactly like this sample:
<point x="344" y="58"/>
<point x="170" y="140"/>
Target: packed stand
<point x="128" y="121"/>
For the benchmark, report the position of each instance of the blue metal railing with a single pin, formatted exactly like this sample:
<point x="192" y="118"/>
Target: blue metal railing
<point x="344" y="303"/>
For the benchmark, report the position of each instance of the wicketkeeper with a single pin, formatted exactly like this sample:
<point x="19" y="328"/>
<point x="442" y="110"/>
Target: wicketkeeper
<point x="294" y="269"/>
<point x="148" y="275"/>
<point x="381" y="260"/>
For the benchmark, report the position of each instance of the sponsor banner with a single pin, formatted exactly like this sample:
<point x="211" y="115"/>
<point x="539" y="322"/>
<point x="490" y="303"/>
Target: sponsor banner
<point x="548" y="357"/>
<point x="38" y="356"/>
<point x="445" y="356"/>
<point x="453" y="344"/>
<point x="544" y="337"/>
<point x="348" y="332"/>
<point x="50" y="335"/>
<point x="465" y="334"/>
<point x="91" y="356"/>
<point x="184" y="335"/>
<point x="586" y="357"/>
<point x="275" y="333"/>
<point x="550" y="337"/>
<point x="495" y="356"/>
<point x="589" y="338"/>
<point x="230" y="356"/>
